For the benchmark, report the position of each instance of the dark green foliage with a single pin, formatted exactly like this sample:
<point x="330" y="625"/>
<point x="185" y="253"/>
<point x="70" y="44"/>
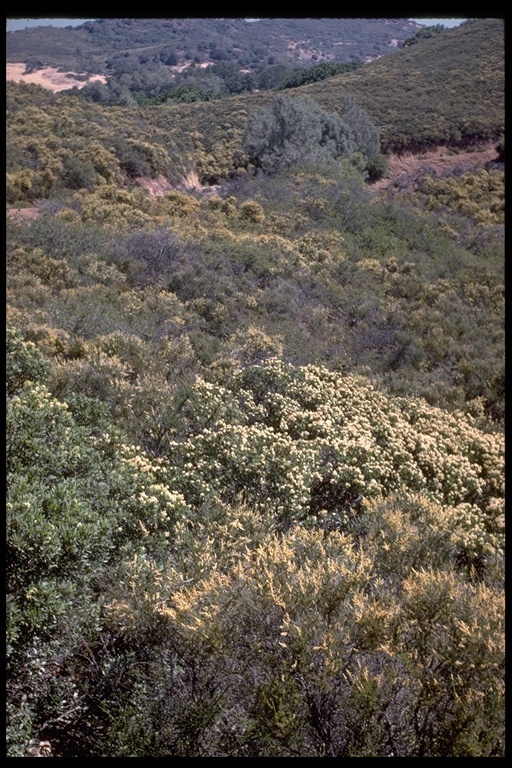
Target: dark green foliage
<point x="57" y="542"/>
<point x="296" y="131"/>
<point x="184" y="94"/>
<point x="78" y="174"/>
<point x="272" y="76"/>
<point x="138" y="158"/>
<point x="24" y="363"/>
<point x="235" y="81"/>
<point x="316" y="72"/>
<point x="424" y="34"/>
<point x="377" y="167"/>
<point x="72" y="506"/>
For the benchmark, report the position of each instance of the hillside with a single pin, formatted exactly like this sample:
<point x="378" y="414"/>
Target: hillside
<point x="206" y="137"/>
<point x="445" y="90"/>
<point x="451" y="88"/>
<point x="185" y="60"/>
<point x="98" y="45"/>
<point x="255" y="410"/>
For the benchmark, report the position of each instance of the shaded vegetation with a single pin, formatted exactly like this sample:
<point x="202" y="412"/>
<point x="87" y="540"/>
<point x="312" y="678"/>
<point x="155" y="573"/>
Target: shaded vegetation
<point x="297" y="131"/>
<point x="424" y="34"/>
<point x="187" y="60"/>
<point x="315" y="73"/>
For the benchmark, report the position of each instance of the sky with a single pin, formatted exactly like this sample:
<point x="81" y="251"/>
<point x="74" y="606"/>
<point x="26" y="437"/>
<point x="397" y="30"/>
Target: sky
<point x="14" y="24"/>
<point x="444" y="22"/>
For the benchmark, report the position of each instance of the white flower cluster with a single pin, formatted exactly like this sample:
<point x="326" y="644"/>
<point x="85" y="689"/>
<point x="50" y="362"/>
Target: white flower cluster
<point x="308" y="441"/>
<point x="153" y="503"/>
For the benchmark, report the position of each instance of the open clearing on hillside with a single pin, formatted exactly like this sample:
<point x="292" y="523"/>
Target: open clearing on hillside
<point x="439" y="161"/>
<point x="49" y="77"/>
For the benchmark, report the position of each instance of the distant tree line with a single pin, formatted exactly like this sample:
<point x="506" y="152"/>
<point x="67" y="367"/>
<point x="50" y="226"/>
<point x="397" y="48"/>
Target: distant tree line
<point x="148" y="80"/>
<point x="317" y="72"/>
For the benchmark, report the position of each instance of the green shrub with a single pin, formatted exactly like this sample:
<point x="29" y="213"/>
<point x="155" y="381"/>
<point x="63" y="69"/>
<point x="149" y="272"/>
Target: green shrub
<point x="376" y="167"/>
<point x="251" y="211"/>
<point x="24" y="363"/>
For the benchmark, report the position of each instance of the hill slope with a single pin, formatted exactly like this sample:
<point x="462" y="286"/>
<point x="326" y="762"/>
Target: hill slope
<point x="255" y="437"/>
<point x="446" y="90"/>
<point x="449" y="88"/>
<point x="96" y="44"/>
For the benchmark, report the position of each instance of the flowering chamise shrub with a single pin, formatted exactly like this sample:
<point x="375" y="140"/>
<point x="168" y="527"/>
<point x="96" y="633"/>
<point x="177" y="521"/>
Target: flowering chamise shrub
<point x="310" y="568"/>
<point x="307" y="644"/>
<point x="308" y="445"/>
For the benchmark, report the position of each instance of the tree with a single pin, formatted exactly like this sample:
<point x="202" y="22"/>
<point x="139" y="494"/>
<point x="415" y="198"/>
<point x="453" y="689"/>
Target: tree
<point x="424" y="34"/>
<point x="365" y="133"/>
<point x="235" y="81"/>
<point x="296" y="131"/>
<point x="317" y="72"/>
<point x="376" y="167"/>
<point x="272" y="76"/>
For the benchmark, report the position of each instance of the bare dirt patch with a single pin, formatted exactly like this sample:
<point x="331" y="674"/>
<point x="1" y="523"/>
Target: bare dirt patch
<point x="155" y="187"/>
<point x="408" y="169"/>
<point x="22" y="214"/>
<point x="50" y="77"/>
<point x="189" y="183"/>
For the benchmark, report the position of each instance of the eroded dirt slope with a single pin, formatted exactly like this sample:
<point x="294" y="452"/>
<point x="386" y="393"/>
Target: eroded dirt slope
<point x="406" y="170"/>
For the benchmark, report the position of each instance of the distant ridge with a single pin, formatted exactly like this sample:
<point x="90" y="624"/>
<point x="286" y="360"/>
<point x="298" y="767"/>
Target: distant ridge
<point x="92" y="44"/>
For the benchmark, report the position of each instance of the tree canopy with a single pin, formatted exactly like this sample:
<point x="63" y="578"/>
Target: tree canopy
<point x="297" y="130"/>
